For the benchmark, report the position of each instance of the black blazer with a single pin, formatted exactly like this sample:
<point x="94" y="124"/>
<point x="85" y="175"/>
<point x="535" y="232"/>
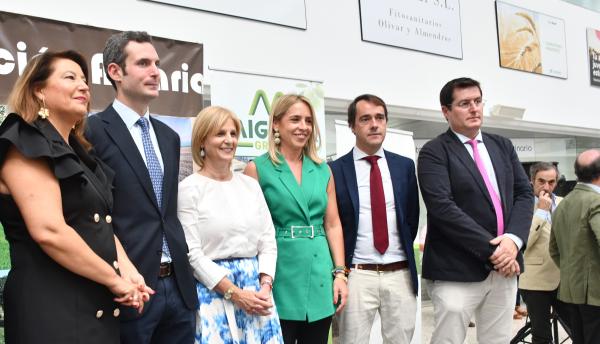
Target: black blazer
<point x="406" y="198"/>
<point x="137" y="220"/>
<point x="460" y="215"/>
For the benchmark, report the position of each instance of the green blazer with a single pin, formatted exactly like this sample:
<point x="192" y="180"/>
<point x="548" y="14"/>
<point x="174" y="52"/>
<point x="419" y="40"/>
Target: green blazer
<point x="303" y="285"/>
<point x="575" y="246"/>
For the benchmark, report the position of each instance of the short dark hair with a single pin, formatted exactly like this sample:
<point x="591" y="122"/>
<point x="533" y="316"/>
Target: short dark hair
<point x="447" y="92"/>
<point x="114" y="50"/>
<point x="587" y="173"/>
<point x="542" y="166"/>
<point x="368" y="98"/>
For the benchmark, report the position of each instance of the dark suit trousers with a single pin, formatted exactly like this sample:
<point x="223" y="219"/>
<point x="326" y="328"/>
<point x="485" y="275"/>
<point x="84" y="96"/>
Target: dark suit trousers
<point x="166" y="321"/>
<point x="585" y="323"/>
<point x="539" y="306"/>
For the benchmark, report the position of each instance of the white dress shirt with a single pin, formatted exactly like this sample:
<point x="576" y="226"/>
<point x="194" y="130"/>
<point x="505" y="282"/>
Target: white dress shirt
<point x="489" y="168"/>
<point x="543" y="213"/>
<point x="130" y="117"/>
<point x="593" y="186"/>
<point x="365" y="251"/>
<point x="225" y="219"/>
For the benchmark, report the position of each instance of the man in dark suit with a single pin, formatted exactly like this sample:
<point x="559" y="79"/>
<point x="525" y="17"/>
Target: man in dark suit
<point x="378" y="204"/>
<point x="575" y="248"/>
<point x="479" y="209"/>
<point x="144" y="153"/>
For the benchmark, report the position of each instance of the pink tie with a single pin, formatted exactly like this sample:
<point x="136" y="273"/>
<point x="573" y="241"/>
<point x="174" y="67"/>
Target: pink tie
<point x="495" y="198"/>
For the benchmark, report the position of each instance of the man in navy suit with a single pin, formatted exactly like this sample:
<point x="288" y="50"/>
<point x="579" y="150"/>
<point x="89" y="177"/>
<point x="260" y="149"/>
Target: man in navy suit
<point x="378" y="204"/>
<point x="479" y="209"/>
<point x="144" y="153"/>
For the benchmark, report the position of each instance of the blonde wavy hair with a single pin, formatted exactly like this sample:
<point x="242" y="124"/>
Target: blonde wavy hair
<point x="207" y="123"/>
<point x="280" y="108"/>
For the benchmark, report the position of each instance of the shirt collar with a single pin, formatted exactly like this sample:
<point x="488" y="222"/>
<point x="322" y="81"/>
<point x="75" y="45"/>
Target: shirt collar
<point x="593" y="186"/>
<point x="127" y="114"/>
<point x="465" y="139"/>
<point x="358" y="154"/>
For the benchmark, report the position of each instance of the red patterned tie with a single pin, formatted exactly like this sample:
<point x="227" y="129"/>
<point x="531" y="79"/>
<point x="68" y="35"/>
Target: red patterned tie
<point x="378" y="208"/>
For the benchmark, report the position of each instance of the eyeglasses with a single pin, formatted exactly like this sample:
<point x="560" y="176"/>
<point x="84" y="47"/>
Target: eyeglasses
<point x="466" y="103"/>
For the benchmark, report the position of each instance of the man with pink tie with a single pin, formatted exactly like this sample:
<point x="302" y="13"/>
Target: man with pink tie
<point x="479" y="209"/>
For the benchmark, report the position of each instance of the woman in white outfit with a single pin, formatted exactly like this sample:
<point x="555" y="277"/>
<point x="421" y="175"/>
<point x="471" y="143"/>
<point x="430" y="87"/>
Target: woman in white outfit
<point x="231" y="239"/>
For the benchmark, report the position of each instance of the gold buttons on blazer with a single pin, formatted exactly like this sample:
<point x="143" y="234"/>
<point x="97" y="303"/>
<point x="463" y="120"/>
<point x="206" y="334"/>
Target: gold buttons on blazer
<point x="108" y="219"/>
<point x="116" y="265"/>
<point x="96" y="217"/>
<point x="99" y="314"/>
<point x="116" y="312"/>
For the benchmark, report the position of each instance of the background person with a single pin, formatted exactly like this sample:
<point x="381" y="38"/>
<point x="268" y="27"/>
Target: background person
<point x="300" y="192"/>
<point x="539" y="283"/>
<point x="56" y="208"/>
<point x="230" y="234"/>
<point x="575" y="248"/>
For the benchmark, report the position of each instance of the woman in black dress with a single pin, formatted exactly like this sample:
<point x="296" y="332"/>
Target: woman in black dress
<point x="69" y="272"/>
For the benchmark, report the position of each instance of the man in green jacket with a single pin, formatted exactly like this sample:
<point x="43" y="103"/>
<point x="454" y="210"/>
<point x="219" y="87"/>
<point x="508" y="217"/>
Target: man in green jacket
<point x="575" y="247"/>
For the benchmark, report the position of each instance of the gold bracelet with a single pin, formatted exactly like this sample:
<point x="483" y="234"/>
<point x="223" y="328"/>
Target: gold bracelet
<point x="342" y="277"/>
<point x="267" y="282"/>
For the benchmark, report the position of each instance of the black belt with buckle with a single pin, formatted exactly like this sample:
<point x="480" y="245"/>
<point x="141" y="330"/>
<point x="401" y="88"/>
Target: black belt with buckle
<point x="166" y="269"/>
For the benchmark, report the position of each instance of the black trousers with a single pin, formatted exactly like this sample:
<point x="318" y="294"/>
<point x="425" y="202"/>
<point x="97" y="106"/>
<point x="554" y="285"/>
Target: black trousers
<point x="304" y="332"/>
<point x="585" y="323"/>
<point x="539" y="306"/>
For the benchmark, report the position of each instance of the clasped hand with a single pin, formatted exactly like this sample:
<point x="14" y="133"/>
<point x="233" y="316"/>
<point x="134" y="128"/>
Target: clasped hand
<point x="132" y="291"/>
<point x="253" y="302"/>
<point x="504" y="257"/>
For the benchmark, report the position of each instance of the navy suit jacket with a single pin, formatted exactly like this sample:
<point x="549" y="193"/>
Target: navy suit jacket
<point x="460" y="214"/>
<point x="138" y="222"/>
<point x="406" y="198"/>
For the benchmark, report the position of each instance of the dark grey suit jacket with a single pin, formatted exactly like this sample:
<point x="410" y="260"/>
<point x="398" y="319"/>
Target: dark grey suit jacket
<point x="460" y="215"/>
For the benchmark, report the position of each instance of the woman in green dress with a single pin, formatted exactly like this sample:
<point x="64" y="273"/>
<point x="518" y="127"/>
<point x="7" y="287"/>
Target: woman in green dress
<point x="300" y="193"/>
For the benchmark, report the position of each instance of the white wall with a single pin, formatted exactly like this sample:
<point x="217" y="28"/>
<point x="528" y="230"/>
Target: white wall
<point x="331" y="50"/>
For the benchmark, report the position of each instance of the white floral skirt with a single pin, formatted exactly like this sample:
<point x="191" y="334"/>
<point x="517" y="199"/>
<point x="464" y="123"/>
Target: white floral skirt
<point x="221" y="321"/>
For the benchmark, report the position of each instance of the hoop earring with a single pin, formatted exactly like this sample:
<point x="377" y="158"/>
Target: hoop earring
<point x="202" y="154"/>
<point x="44" y="112"/>
<point x="276" y="136"/>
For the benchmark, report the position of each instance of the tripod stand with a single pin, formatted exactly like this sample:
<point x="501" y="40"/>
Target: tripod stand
<point x="555" y="320"/>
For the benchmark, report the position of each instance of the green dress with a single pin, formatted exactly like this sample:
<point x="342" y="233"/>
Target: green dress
<point x="303" y="287"/>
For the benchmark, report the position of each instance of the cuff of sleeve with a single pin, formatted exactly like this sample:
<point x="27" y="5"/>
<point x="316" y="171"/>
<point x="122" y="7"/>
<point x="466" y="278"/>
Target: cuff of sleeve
<point x="208" y="273"/>
<point x="266" y="264"/>
<point x="543" y="214"/>
<point x="515" y="239"/>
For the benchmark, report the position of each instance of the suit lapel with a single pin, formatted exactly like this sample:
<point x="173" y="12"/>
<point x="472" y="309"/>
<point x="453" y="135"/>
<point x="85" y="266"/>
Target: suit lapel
<point x="397" y="177"/>
<point x="289" y="182"/>
<point x="349" y="173"/>
<point x="118" y="132"/>
<point x="459" y="150"/>
<point x="308" y="167"/>
<point x="169" y="161"/>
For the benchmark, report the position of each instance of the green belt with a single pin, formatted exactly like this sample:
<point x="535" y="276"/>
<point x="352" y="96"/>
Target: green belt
<point x="299" y="231"/>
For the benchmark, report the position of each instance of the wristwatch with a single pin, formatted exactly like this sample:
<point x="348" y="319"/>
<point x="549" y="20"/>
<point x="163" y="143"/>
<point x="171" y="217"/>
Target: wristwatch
<point x="229" y="293"/>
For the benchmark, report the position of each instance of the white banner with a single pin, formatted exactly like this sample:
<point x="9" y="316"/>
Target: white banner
<point x="431" y="26"/>
<point x="283" y="12"/>
<point x="251" y="96"/>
